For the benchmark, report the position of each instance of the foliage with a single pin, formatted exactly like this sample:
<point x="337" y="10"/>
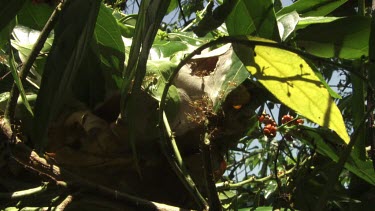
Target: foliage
<point x="230" y="105"/>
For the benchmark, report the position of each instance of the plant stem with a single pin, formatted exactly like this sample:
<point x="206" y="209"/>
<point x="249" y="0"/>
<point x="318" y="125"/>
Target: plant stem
<point x="227" y="186"/>
<point x="181" y="11"/>
<point x="370" y="92"/>
<point x="206" y="147"/>
<point x="24" y="193"/>
<point x="14" y="93"/>
<point x="178" y="165"/>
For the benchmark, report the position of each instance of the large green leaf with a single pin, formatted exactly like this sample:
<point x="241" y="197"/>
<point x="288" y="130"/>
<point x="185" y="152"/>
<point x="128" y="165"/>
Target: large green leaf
<point x="72" y="36"/>
<point x="34" y="16"/>
<point x="291" y="80"/>
<point x="107" y="35"/>
<point x="345" y="38"/>
<point x="312" y="7"/>
<point x="324" y="141"/>
<point x="8" y="10"/>
<point x="175" y="45"/>
<point x="92" y="91"/>
<point x="253" y="18"/>
<point x="214" y="19"/>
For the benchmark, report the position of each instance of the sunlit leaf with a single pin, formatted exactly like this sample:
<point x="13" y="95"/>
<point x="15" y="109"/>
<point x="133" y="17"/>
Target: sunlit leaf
<point x="320" y="76"/>
<point x="287" y="23"/>
<point x="175" y="45"/>
<point x="312" y="7"/>
<point x="172" y="6"/>
<point x="291" y="80"/>
<point x="306" y="21"/>
<point x="351" y="41"/>
<point x="126" y="24"/>
<point x="24" y="40"/>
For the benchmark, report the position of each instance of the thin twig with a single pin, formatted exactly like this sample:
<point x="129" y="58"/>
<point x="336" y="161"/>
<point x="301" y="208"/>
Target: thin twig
<point x="181" y="11"/>
<point x="12" y="103"/>
<point x="233" y="186"/>
<point x="64" y="203"/>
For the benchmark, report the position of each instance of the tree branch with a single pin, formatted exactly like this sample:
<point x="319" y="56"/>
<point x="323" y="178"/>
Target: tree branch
<point x="29" y="159"/>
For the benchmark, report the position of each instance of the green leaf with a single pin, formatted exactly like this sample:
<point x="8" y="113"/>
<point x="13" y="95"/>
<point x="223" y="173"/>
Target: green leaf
<point x="92" y="91"/>
<point x="295" y="84"/>
<point x="17" y="80"/>
<point x="287" y="23"/>
<point x="323" y="40"/>
<point x="127" y="25"/>
<point x="172" y="6"/>
<point x="304" y="22"/>
<point x="34" y="16"/>
<point x="107" y="35"/>
<point x="253" y="18"/>
<point x="175" y="45"/>
<point x="24" y="40"/>
<point x="229" y="74"/>
<point x="324" y="141"/>
<point x="312" y="7"/>
<point x="362" y="168"/>
<point x="321" y="78"/>
<point x="8" y="10"/>
<point x="72" y="35"/>
<point x="5" y="35"/>
<point x="212" y="20"/>
<point x="158" y="73"/>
